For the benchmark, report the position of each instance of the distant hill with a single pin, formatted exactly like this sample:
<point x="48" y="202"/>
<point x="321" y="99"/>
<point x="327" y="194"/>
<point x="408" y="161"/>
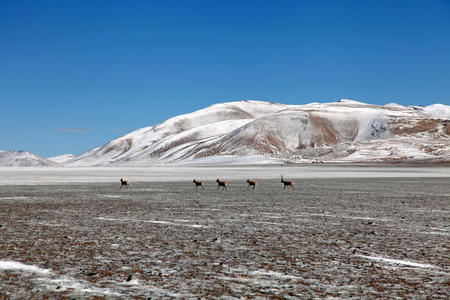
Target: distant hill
<point x="62" y="158"/>
<point x="252" y="132"/>
<point x="23" y="159"/>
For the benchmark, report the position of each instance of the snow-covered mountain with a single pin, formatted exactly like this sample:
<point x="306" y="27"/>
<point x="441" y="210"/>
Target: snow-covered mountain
<point x="23" y="159"/>
<point x="248" y="132"/>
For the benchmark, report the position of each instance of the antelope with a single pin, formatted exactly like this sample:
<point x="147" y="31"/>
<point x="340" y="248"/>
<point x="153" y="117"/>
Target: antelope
<point x="251" y="183"/>
<point x="124" y="183"/>
<point x="197" y="184"/>
<point x="287" y="183"/>
<point x="222" y="184"/>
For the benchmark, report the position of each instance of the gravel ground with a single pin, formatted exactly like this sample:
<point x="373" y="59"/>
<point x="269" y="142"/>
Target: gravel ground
<point x="330" y="238"/>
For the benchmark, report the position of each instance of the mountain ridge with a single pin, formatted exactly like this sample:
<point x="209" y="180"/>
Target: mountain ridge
<point x="257" y="132"/>
<point x="342" y="131"/>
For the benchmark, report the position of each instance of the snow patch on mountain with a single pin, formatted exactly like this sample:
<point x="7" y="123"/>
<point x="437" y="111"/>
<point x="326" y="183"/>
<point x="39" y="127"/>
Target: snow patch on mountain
<point x="440" y="111"/>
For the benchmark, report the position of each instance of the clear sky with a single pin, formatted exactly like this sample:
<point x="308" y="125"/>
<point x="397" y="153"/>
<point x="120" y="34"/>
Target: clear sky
<point x="76" y="74"/>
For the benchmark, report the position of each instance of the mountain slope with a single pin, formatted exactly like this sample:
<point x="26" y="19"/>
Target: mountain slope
<point x="62" y="158"/>
<point x="256" y="131"/>
<point x="23" y="159"/>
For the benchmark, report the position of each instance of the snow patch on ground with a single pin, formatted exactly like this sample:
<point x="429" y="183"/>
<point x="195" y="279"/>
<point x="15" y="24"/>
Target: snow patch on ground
<point x="50" y="280"/>
<point x="397" y="261"/>
<point x="346" y="217"/>
<point x="273" y="274"/>
<point x="14" y="198"/>
<point x="14" y="265"/>
<point x="112" y="196"/>
<point x="152" y="221"/>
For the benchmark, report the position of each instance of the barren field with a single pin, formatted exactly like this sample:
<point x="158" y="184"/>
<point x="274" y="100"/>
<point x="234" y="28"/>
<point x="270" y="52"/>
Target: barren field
<point x="361" y="238"/>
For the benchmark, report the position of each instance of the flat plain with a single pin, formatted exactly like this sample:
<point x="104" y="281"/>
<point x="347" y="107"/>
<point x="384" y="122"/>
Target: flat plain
<point x="343" y="237"/>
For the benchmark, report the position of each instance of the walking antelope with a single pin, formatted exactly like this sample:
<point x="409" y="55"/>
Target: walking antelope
<point x="251" y="183"/>
<point x="124" y="183"/>
<point x="198" y="183"/>
<point x="222" y="184"/>
<point x="287" y="183"/>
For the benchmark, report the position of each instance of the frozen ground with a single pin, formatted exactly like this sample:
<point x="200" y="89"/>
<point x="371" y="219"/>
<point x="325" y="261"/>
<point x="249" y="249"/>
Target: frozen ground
<point x="383" y="234"/>
<point x="68" y="175"/>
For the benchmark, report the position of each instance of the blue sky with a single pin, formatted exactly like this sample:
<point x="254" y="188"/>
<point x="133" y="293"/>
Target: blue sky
<point x="76" y="74"/>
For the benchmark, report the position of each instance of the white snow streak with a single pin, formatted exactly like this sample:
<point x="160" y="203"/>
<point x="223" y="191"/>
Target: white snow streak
<point x="13" y="198"/>
<point x="14" y="265"/>
<point x="50" y="280"/>
<point x="397" y="261"/>
<point x="273" y="274"/>
<point x="152" y="221"/>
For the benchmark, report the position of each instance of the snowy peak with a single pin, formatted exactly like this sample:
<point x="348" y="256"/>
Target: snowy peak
<point x="214" y="120"/>
<point x="240" y="110"/>
<point x="23" y="159"/>
<point x="440" y="111"/>
<point x="351" y="102"/>
<point x="345" y="130"/>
